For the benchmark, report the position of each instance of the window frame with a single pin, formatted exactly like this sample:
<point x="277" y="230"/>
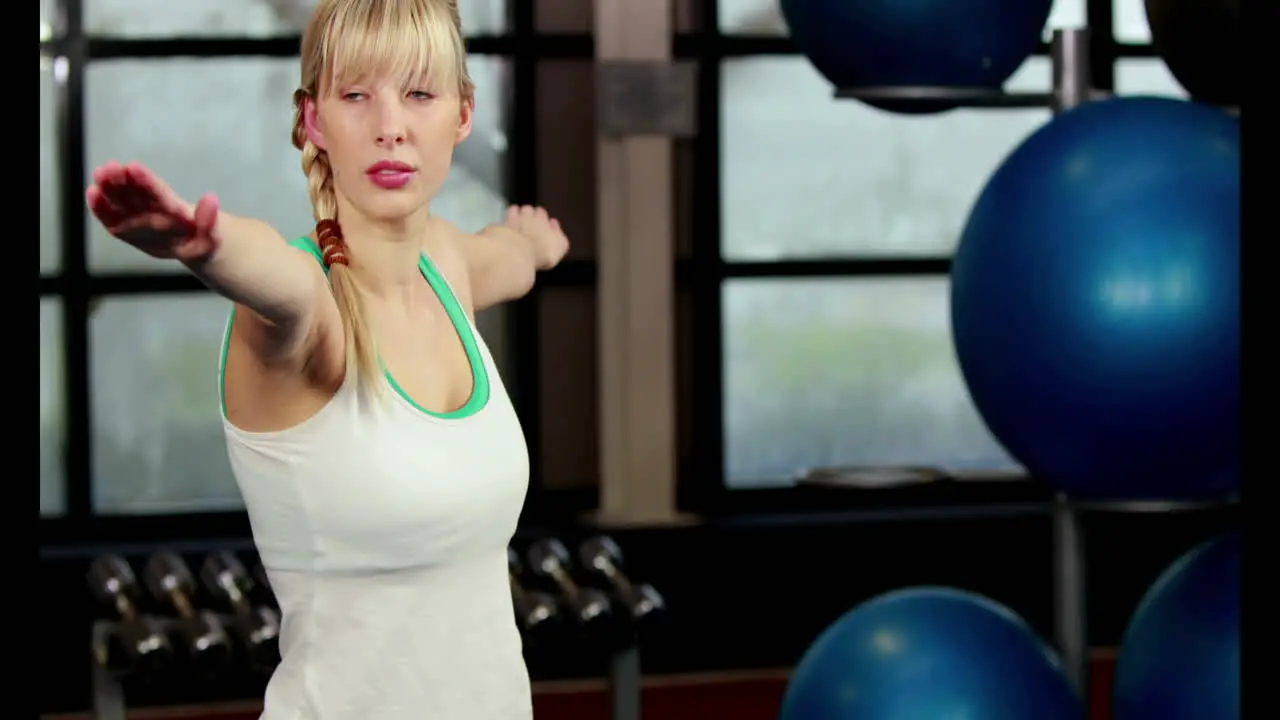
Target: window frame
<point x="702" y="483"/>
<point x="704" y="488"/>
<point x="76" y="286"/>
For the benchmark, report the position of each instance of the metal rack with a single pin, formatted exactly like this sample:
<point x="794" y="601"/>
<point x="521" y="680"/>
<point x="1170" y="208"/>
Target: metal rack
<point x="1072" y="86"/>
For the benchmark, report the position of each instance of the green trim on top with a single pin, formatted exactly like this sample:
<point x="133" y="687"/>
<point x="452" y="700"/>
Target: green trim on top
<point x="461" y="325"/>
<point x="457" y="315"/>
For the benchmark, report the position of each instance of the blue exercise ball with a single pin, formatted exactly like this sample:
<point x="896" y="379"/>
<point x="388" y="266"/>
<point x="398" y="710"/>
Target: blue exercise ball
<point x="1180" y="657"/>
<point x="927" y="653"/>
<point x="922" y="43"/>
<point x="1095" y="301"/>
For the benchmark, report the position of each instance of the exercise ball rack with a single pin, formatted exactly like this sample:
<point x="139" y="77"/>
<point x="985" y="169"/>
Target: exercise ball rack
<point x="1072" y="86"/>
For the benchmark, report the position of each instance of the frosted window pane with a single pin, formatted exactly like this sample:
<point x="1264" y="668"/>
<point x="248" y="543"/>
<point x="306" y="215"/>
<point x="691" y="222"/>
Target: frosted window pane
<point x="764" y="17"/>
<point x="223" y="126"/>
<point x="1146" y="76"/>
<point x="48" y="19"/>
<point x="50" y="201"/>
<point x="806" y="175"/>
<point x="158" y="445"/>
<point x="250" y="18"/>
<point x="1129" y="21"/>
<point x="53" y="429"/>
<point x="841" y="372"/>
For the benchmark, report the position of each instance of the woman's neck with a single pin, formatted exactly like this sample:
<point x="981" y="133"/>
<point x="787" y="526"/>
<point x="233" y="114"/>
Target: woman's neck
<point x="384" y="254"/>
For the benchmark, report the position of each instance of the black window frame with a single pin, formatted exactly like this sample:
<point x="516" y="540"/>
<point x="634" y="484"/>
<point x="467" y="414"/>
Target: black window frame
<point x="703" y="487"/>
<point x="76" y="287"/>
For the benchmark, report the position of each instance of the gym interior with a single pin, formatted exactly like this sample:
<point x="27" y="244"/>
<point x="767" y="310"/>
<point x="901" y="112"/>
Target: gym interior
<point x="825" y="416"/>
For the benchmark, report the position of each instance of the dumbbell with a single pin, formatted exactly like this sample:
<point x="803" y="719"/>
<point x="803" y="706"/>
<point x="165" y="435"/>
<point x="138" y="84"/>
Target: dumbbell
<point x="257" y="627"/>
<point x="205" y="640"/>
<point x="138" y="643"/>
<point x="602" y="557"/>
<point x="590" y="608"/>
<point x="535" y="611"/>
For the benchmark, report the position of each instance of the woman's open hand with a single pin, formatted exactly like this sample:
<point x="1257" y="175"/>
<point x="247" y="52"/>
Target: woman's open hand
<point x="136" y="206"/>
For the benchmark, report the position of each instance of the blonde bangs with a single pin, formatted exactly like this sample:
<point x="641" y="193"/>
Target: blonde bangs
<point x="413" y="43"/>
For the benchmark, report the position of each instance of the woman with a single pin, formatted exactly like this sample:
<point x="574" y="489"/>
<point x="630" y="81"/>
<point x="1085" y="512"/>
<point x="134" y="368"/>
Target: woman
<point x="380" y="459"/>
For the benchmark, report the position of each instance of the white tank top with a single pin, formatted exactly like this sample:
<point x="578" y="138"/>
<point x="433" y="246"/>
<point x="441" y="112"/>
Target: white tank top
<point x="383" y="529"/>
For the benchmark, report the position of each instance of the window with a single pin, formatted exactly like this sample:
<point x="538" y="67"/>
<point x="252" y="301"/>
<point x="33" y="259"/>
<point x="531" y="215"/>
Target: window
<point x="242" y="18"/>
<point x="48" y="19"/>
<point x="805" y="175"/>
<point x="157" y="431"/>
<point x="856" y="369"/>
<point x="50" y="202"/>
<point x="206" y="122"/>
<point x="157" y="435"/>
<point x="204" y="126"/>
<point x="764" y="17"/>
<point x="1146" y="76"/>
<point x="853" y="371"/>
<point x="225" y="128"/>
<point x="52" y="410"/>
<point x="1129" y="21"/>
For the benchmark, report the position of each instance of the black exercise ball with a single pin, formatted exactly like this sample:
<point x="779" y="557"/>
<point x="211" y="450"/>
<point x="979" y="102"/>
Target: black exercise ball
<point x="1201" y="42"/>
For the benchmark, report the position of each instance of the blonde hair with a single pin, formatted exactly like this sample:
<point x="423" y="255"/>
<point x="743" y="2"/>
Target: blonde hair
<point x="411" y="41"/>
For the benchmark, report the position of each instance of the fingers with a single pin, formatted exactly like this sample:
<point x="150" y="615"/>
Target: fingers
<point x="157" y="192"/>
<point x="517" y="215"/>
<point x="107" y="214"/>
<point x="121" y="191"/>
<point x="107" y="196"/>
<point x="124" y="191"/>
<point x="206" y="214"/>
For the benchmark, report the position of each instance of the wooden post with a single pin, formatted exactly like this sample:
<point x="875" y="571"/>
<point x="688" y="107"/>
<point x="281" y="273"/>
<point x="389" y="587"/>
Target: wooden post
<point x="636" y="294"/>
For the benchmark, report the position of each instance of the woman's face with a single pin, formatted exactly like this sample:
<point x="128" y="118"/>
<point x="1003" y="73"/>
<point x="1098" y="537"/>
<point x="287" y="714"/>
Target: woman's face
<point x="389" y="147"/>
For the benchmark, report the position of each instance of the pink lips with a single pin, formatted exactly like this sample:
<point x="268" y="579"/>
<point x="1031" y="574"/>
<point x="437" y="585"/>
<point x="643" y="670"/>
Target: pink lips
<point x="390" y="175"/>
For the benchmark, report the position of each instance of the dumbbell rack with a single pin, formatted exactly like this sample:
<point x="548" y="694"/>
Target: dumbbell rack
<point x="108" y="691"/>
<point x="109" y="702"/>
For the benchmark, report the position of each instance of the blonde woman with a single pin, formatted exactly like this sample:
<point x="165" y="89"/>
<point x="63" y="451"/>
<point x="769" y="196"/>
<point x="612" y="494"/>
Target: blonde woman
<point x="379" y="456"/>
